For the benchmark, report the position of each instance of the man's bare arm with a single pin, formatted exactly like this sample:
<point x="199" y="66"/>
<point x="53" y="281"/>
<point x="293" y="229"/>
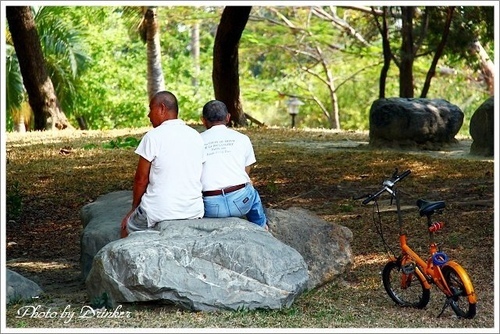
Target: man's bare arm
<point x="141" y="181"/>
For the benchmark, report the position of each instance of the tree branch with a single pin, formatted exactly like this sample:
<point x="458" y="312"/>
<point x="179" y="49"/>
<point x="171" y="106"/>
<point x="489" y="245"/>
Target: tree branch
<point x="335" y="20"/>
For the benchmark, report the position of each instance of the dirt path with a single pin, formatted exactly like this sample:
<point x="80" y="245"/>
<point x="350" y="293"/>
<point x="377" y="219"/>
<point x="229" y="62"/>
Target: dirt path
<point x="460" y="150"/>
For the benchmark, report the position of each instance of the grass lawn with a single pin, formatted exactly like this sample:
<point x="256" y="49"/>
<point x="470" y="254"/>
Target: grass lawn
<point x="51" y="175"/>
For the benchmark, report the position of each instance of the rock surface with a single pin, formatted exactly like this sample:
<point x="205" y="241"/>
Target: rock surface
<point x="101" y="221"/>
<point x="482" y="130"/>
<point x="414" y="121"/>
<point x="326" y="247"/>
<point x="20" y="288"/>
<point x="200" y="265"/>
<point x="296" y="233"/>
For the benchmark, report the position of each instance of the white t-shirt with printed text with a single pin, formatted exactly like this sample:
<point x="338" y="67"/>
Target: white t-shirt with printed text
<point x="228" y="152"/>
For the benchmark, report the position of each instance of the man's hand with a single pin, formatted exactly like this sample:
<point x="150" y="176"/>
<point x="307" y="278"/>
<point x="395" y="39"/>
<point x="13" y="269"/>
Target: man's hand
<point x="123" y="228"/>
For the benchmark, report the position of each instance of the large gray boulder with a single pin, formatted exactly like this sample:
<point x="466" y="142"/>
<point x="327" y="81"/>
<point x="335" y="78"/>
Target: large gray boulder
<point x="200" y="265"/>
<point x="101" y="221"/>
<point x="20" y="288"/>
<point x="482" y="130"/>
<point x="404" y="122"/>
<point x="325" y="247"/>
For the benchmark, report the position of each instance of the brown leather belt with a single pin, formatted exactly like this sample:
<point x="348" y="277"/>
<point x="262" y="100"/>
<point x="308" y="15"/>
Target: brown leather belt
<point x="224" y="191"/>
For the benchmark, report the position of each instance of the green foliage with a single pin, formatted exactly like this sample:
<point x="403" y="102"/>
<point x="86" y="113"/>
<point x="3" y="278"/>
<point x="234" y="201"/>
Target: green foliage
<point x="470" y="23"/>
<point x="108" y="88"/>
<point x="65" y="58"/>
<point x="191" y="100"/>
<point x="354" y="68"/>
<point x="21" y="324"/>
<point x="119" y="142"/>
<point x="115" y="84"/>
<point x="14" y="201"/>
<point x="65" y="55"/>
<point x="122" y="143"/>
<point x="271" y="186"/>
<point x="346" y="208"/>
<point x="14" y="88"/>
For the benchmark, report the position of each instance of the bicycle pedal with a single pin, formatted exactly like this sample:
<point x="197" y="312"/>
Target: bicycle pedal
<point x="408" y="268"/>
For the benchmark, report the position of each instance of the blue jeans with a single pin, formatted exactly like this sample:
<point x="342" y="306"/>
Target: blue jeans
<point x="242" y="202"/>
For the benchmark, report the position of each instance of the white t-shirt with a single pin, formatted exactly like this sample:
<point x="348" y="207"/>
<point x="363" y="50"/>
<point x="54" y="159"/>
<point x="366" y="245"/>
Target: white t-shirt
<point x="176" y="153"/>
<point x="228" y="153"/>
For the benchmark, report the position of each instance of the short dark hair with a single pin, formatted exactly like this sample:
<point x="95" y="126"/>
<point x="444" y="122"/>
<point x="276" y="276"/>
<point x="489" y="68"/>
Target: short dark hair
<point x="215" y="111"/>
<point x="168" y="99"/>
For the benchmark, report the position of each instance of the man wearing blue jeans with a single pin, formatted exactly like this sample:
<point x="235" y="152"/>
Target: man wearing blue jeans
<point x="227" y="188"/>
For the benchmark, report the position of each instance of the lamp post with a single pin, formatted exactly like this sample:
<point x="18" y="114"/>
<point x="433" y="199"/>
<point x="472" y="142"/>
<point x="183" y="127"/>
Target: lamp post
<point x="293" y="105"/>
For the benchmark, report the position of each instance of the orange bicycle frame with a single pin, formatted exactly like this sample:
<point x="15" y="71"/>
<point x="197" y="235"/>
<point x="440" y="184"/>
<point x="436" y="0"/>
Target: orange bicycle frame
<point x="429" y="272"/>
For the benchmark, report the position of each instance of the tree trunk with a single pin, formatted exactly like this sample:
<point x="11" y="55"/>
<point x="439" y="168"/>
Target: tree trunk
<point x="333" y="117"/>
<point x="225" y="74"/>
<point x="195" y="52"/>
<point x="439" y="52"/>
<point x="41" y="93"/>
<point x="487" y="66"/>
<point x="407" y="55"/>
<point x="384" y="31"/>
<point x="149" y="28"/>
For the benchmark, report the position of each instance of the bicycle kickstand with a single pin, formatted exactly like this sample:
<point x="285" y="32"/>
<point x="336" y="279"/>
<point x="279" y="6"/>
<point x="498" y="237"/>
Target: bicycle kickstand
<point x="447" y="303"/>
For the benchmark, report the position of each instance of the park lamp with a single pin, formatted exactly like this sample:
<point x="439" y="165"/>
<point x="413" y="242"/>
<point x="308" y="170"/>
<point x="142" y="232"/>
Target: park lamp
<point x="293" y="105"/>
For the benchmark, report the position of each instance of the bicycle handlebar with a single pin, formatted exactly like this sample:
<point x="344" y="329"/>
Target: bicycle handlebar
<point x="387" y="186"/>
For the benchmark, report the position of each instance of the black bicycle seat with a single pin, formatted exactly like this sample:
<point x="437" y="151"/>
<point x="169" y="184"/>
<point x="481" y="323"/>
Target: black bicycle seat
<point x="429" y="207"/>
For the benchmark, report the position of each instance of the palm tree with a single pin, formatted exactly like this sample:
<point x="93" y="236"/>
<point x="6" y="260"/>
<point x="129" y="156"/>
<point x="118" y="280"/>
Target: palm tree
<point x="64" y="51"/>
<point x="148" y="29"/>
<point x="64" y="59"/>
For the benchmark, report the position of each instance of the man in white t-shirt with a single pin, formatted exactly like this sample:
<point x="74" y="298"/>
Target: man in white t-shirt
<point x="167" y="182"/>
<point x="227" y="189"/>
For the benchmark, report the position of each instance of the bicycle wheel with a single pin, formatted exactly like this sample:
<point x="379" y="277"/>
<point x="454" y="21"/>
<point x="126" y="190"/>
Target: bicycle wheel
<point x="463" y="300"/>
<point x="404" y="289"/>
